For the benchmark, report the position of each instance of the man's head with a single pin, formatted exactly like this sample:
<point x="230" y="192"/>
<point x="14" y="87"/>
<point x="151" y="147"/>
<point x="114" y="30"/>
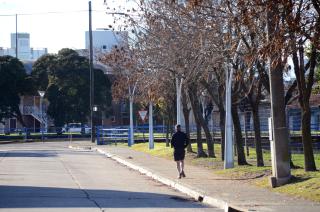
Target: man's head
<point x="178" y="127"/>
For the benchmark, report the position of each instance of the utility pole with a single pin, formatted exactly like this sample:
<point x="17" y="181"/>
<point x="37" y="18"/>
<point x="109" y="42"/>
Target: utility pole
<point x="91" y="77"/>
<point x="16" y="35"/>
<point x="279" y="141"/>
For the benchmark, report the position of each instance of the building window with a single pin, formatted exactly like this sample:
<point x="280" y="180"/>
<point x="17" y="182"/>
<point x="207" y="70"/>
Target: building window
<point x="104" y="47"/>
<point x="24" y="42"/>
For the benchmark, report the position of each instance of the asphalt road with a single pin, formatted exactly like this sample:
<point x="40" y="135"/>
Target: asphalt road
<point x="51" y="177"/>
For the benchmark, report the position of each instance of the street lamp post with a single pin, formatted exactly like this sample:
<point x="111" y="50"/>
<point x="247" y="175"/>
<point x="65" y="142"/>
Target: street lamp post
<point x="41" y="93"/>
<point x="131" y="98"/>
<point x="179" y="87"/>
<point x="151" y="138"/>
<point x="92" y="121"/>
<point x="203" y="99"/>
<point x="94" y="117"/>
<point x="228" y="150"/>
<point x="95" y="108"/>
<point x="17" y="36"/>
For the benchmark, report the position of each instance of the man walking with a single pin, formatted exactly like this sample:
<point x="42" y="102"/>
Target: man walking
<point x="179" y="142"/>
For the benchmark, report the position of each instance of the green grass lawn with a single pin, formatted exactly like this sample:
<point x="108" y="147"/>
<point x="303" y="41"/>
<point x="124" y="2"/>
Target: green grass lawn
<point x="303" y="184"/>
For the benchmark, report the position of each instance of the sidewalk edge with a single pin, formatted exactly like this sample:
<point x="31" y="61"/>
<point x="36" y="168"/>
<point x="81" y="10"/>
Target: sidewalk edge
<point x="177" y="186"/>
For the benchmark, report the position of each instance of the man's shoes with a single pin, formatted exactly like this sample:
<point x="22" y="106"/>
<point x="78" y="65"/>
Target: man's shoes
<point x="182" y="174"/>
<point x="179" y="176"/>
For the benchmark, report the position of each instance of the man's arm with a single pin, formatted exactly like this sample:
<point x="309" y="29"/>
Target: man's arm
<point x="187" y="141"/>
<point x="172" y="141"/>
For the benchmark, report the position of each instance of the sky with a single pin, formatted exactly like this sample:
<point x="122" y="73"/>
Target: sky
<point x="54" y="24"/>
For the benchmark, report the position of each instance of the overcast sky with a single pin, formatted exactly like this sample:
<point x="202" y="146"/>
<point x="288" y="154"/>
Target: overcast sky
<point x="53" y="24"/>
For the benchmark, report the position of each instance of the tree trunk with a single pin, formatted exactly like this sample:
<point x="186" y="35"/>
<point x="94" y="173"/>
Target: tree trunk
<point x="222" y="130"/>
<point x="208" y="138"/>
<point x="200" y="152"/>
<point x="199" y="118"/>
<point x="186" y="119"/>
<point x="309" y="163"/>
<point x="172" y="128"/>
<point x="257" y="135"/>
<point x="238" y="136"/>
<point x="186" y="113"/>
<point x="305" y="83"/>
<point x="247" y="119"/>
<point x="167" y="132"/>
<point x="217" y="97"/>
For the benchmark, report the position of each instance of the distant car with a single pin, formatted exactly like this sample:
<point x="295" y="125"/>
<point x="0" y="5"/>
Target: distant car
<point x="77" y="128"/>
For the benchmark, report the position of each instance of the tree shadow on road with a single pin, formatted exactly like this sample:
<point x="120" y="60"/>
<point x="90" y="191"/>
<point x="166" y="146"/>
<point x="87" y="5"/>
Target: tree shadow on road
<point x="32" y="153"/>
<point x="51" y="197"/>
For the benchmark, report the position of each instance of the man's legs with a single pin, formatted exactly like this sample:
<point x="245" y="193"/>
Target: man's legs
<point x="179" y="168"/>
<point x="182" y="168"/>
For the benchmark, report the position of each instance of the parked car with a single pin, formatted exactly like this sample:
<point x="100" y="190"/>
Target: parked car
<point x="77" y="128"/>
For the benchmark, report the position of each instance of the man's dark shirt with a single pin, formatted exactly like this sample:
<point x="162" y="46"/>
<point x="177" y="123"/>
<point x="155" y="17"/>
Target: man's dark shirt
<point x="179" y="140"/>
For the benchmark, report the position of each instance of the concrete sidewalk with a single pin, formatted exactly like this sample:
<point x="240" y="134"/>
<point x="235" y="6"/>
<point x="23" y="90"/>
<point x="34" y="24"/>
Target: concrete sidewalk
<point x="202" y="184"/>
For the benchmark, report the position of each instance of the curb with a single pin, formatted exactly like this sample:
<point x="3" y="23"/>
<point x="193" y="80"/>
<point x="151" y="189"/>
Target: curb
<point x="198" y="196"/>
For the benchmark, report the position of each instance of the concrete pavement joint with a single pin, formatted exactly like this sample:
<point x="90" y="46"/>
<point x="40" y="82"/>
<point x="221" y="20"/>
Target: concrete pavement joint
<point x="79" y="186"/>
<point x="3" y="156"/>
<point x="177" y="186"/>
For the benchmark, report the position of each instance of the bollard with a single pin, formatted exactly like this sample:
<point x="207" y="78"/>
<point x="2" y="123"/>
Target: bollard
<point x="25" y="134"/>
<point x="129" y="142"/>
<point x="98" y="136"/>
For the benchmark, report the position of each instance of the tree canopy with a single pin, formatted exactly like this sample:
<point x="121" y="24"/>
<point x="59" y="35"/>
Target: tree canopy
<point x="199" y="42"/>
<point x="66" y="78"/>
<point x="13" y="84"/>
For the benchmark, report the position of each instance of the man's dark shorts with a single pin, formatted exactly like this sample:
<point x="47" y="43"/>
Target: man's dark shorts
<point x="179" y="154"/>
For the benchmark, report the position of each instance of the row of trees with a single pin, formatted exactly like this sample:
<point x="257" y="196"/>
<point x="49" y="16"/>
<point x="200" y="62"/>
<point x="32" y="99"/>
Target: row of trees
<point x="198" y="42"/>
<point x="66" y="79"/>
<point x="14" y="83"/>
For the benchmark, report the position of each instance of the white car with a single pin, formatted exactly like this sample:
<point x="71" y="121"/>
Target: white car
<point x="77" y="128"/>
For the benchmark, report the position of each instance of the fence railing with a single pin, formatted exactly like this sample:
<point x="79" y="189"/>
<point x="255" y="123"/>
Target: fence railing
<point x="107" y="134"/>
<point x="112" y="135"/>
<point x="35" y="112"/>
<point x="159" y="130"/>
<point x="7" y="134"/>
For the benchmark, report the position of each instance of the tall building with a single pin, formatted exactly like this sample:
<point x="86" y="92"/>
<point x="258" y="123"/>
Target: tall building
<point x="23" y="42"/>
<point x="25" y="52"/>
<point x="105" y="40"/>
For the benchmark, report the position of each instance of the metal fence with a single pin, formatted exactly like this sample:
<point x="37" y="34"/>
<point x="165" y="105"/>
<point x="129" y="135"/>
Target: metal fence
<point x="141" y="132"/>
<point x="107" y="135"/>
<point x="28" y="134"/>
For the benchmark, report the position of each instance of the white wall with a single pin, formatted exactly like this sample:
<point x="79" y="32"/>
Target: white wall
<point x="105" y="40"/>
<point x="36" y="53"/>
